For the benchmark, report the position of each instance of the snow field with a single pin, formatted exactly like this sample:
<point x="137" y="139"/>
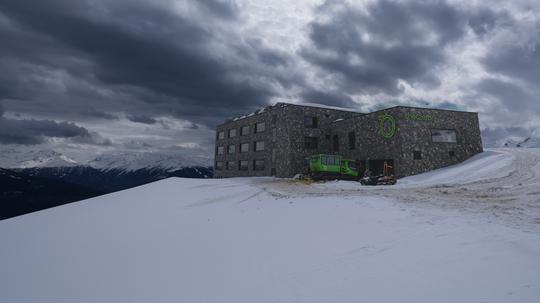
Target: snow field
<point x="271" y="240"/>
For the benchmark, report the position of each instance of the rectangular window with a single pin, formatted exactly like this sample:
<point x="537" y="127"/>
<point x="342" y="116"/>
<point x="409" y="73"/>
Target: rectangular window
<point x="258" y="146"/>
<point x="229" y="165"/>
<point x="232" y="133"/>
<point x="243" y="165"/>
<point x="244" y="147"/>
<point x="221" y="135"/>
<point x="231" y="149"/>
<point x="352" y="140"/>
<point x="220" y="150"/>
<point x="444" y="135"/>
<point x="259" y="127"/>
<point x="310" y="122"/>
<point x="335" y="143"/>
<point x="244" y="130"/>
<point x="311" y="142"/>
<point x="219" y="165"/>
<point x="417" y="155"/>
<point x="258" y="164"/>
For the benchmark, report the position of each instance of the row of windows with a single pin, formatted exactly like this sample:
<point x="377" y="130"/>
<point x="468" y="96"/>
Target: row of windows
<point x="257" y="164"/>
<point x="244" y="131"/>
<point x="244" y="148"/>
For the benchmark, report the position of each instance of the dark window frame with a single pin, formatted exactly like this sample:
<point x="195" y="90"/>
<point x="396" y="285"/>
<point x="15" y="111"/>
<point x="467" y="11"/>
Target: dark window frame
<point x="241" y="167"/>
<point x="445" y="129"/>
<point x="255" y="146"/>
<point x="242" y="133"/>
<point x="311" y="121"/>
<point x="352" y="140"/>
<point x="259" y="167"/>
<point x="244" y="144"/>
<point x="218" y="167"/>
<point x="232" y="130"/>
<point x="221" y="135"/>
<point x="335" y="143"/>
<point x="311" y="142"/>
<point x="257" y="127"/>
<point x="229" y="149"/>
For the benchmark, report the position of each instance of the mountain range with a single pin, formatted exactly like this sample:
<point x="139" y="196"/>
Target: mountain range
<point x="37" y="179"/>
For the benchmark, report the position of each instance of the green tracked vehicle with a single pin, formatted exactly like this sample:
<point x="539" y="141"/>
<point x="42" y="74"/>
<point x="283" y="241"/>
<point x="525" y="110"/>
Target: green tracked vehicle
<point x="331" y="167"/>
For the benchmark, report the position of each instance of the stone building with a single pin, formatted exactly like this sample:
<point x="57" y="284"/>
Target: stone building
<point x="276" y="140"/>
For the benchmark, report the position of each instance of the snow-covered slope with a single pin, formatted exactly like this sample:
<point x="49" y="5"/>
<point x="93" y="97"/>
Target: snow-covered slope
<point x="275" y="240"/>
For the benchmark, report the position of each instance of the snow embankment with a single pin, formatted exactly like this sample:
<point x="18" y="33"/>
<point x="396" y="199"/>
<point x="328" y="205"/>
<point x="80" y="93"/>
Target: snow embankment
<point x="487" y="165"/>
<point x="241" y="240"/>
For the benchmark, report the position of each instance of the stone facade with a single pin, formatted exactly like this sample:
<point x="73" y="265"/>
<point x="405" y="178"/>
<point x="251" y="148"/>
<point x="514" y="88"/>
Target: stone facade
<point x="407" y="138"/>
<point x="415" y="132"/>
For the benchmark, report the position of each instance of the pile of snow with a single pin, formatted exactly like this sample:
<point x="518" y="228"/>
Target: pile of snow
<point x="271" y="240"/>
<point x="490" y="164"/>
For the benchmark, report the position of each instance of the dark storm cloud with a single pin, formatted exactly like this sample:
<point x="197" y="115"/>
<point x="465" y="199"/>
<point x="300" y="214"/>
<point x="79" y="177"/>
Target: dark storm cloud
<point x="484" y="20"/>
<point x="371" y="50"/>
<point x="99" y="114"/>
<point x="512" y="96"/>
<point x="224" y="9"/>
<point x="515" y="60"/>
<point x="140" y="45"/>
<point x="30" y="132"/>
<point x="142" y="119"/>
<point x="328" y="97"/>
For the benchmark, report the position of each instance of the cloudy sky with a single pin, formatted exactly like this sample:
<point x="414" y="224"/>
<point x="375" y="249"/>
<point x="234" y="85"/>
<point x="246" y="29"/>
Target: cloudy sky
<point x="90" y="76"/>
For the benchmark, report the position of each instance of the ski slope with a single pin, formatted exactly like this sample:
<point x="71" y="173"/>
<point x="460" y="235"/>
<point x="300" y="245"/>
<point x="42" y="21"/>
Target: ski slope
<point x="276" y="240"/>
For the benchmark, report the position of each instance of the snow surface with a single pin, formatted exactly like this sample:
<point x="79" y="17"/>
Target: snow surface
<point x="279" y="240"/>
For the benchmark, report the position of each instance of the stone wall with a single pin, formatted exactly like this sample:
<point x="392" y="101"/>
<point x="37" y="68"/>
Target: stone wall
<point x="285" y="150"/>
<point x="284" y="135"/>
<point x="413" y="132"/>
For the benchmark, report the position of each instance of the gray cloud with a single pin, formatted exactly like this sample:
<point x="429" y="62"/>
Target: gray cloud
<point x="30" y="132"/>
<point x="521" y="61"/>
<point x="371" y="50"/>
<point x="142" y="119"/>
<point x="143" y="48"/>
<point x="328" y="97"/>
<point x="512" y="96"/>
<point x="99" y="114"/>
<point x="195" y="64"/>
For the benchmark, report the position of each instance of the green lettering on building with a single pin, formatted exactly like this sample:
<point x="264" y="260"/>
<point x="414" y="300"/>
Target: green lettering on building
<point x="387" y="126"/>
<point x="418" y="117"/>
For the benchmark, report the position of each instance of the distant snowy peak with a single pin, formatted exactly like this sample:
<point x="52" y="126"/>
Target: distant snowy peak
<point x="520" y="142"/>
<point x="12" y="158"/>
<point x="129" y="161"/>
<point x="147" y="160"/>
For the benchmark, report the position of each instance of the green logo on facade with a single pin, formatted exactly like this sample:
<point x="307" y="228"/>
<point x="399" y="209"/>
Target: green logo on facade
<point x="387" y="126"/>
